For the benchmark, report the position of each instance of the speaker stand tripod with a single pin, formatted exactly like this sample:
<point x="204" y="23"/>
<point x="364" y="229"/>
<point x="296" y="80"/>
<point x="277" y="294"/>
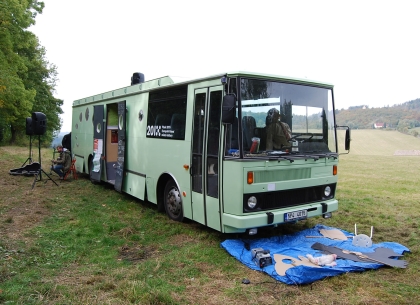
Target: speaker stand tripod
<point x="40" y="170"/>
<point x="30" y="152"/>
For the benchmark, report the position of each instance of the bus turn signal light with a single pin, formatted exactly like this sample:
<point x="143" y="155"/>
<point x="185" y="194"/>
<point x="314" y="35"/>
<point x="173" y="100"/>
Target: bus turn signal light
<point x="250" y="177"/>
<point x="334" y="170"/>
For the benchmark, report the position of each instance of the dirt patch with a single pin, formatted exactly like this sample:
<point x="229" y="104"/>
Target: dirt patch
<point x="181" y="239"/>
<point x="21" y="218"/>
<point x="137" y="253"/>
<point x="22" y="210"/>
<point x="208" y="292"/>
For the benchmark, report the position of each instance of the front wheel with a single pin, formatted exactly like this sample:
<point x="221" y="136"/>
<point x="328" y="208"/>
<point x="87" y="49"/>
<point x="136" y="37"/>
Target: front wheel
<point x="173" y="201"/>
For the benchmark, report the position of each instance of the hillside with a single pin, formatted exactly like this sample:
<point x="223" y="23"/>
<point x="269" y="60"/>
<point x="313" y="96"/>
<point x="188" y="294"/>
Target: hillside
<point x="401" y="117"/>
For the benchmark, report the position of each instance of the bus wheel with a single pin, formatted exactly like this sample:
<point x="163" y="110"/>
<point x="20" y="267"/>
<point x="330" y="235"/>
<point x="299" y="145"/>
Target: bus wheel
<point x="173" y="202"/>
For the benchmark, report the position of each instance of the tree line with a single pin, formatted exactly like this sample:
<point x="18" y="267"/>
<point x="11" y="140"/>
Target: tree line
<point x="27" y="78"/>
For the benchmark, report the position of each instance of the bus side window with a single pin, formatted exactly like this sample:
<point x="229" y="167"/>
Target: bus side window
<point x="178" y="125"/>
<point x="162" y="105"/>
<point x="162" y="120"/>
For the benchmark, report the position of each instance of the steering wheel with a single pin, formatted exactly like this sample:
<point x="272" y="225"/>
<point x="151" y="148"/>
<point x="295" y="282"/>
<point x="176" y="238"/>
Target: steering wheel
<point x="296" y="137"/>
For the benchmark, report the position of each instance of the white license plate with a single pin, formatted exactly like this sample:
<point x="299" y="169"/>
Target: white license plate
<point x="302" y="214"/>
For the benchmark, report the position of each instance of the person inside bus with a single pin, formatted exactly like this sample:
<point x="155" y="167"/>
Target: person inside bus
<point x="278" y="133"/>
<point x="62" y="164"/>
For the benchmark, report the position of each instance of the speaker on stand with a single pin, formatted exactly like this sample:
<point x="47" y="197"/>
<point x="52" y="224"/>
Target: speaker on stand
<point x="39" y="126"/>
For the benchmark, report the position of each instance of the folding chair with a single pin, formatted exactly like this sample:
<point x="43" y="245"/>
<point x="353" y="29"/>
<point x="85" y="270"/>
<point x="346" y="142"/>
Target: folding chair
<point x="72" y="169"/>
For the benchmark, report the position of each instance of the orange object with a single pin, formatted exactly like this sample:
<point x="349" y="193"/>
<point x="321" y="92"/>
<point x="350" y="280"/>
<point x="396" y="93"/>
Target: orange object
<point x="253" y="147"/>
<point x="250" y="178"/>
<point x="72" y="169"/>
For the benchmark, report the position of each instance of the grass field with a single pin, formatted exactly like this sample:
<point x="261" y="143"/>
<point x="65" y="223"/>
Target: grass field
<point x="80" y="243"/>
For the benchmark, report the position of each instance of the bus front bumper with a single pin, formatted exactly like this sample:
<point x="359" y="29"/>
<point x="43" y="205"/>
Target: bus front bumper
<point x="240" y="223"/>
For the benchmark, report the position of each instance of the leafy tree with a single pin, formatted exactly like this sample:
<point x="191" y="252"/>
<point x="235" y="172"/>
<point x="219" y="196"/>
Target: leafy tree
<point x="27" y="79"/>
<point x="254" y="90"/>
<point x="41" y="76"/>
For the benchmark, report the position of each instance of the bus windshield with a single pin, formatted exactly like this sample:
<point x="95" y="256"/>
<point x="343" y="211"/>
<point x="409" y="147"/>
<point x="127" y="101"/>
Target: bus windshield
<point x="282" y="118"/>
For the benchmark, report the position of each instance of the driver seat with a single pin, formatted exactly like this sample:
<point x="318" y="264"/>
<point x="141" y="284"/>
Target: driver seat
<point x="248" y="127"/>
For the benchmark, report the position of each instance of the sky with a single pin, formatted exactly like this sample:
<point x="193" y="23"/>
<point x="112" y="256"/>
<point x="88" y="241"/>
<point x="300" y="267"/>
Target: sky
<point x="369" y="50"/>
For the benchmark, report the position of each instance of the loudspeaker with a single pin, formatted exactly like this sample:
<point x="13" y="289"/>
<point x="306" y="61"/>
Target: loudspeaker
<point x="29" y="130"/>
<point x="137" y="78"/>
<point x="39" y="123"/>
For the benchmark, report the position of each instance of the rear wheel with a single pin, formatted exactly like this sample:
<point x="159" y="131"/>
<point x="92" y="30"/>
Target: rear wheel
<point x="172" y="201"/>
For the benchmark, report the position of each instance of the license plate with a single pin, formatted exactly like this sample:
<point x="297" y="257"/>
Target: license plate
<point x="302" y="214"/>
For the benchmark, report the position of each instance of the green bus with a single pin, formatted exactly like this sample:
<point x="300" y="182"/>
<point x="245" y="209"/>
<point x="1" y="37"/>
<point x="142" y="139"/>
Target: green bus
<point x="199" y="149"/>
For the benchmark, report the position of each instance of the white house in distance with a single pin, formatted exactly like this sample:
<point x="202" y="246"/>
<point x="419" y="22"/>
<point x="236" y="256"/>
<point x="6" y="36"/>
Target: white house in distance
<point x="379" y="125"/>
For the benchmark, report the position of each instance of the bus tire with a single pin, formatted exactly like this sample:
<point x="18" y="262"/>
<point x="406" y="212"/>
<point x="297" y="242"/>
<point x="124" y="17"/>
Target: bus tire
<point x="172" y="201"/>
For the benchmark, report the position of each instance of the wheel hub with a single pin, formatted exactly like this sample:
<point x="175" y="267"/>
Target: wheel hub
<point x="174" y="201"/>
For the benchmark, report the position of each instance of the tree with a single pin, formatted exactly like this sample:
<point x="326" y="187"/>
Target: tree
<point x="27" y="79"/>
<point x="41" y="76"/>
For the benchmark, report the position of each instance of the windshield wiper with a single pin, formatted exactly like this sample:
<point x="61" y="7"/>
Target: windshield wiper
<point x="319" y="154"/>
<point x="294" y="157"/>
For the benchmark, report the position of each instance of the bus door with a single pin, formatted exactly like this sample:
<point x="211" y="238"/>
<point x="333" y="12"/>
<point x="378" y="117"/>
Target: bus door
<point x="95" y="169"/>
<point x="205" y="177"/>
<point x="119" y="166"/>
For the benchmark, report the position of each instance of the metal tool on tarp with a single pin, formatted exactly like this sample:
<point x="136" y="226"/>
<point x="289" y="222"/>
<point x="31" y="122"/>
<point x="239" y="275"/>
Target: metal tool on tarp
<point x="380" y="255"/>
<point x="362" y="240"/>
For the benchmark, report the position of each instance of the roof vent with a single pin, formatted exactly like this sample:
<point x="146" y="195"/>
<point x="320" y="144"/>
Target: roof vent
<point x="137" y="78"/>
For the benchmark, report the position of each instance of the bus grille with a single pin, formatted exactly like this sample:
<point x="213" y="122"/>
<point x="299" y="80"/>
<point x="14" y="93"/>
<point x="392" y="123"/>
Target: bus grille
<point x="282" y="175"/>
<point x="288" y="198"/>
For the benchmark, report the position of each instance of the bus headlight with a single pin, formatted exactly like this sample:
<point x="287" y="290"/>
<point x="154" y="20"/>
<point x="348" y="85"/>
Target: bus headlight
<point x="327" y="191"/>
<point x="252" y="202"/>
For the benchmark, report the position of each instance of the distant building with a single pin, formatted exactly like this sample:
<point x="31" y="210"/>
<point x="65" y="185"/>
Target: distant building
<point x="379" y="125"/>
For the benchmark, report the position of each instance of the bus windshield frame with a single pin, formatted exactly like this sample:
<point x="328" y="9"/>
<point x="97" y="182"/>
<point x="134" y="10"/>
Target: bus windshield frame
<point x="303" y="114"/>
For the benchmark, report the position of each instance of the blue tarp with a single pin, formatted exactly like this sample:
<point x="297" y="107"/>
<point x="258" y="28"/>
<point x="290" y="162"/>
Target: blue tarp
<point x="299" y="245"/>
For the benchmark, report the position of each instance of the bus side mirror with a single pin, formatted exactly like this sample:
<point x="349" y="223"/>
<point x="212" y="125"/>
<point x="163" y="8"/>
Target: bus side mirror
<point x="228" y="109"/>
<point x="347" y="140"/>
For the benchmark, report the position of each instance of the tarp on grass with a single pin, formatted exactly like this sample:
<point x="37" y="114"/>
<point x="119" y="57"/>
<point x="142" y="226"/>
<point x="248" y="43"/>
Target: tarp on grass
<point x="299" y="245"/>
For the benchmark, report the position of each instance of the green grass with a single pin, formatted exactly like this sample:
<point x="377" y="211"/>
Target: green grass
<point x="81" y="243"/>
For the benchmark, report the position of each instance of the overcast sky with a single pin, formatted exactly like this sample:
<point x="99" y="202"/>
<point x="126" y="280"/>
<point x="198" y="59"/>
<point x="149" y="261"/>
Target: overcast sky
<point x="368" y="49"/>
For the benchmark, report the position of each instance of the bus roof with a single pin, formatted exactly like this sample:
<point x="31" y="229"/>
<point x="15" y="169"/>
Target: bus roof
<point x="302" y="81"/>
<point x="168" y="80"/>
